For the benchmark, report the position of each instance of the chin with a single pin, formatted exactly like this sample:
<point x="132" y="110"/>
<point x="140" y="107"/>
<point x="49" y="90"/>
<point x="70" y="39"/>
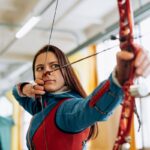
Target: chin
<point x="50" y="89"/>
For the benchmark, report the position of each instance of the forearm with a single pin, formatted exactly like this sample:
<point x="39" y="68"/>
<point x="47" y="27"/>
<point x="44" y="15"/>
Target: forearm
<point x="76" y="115"/>
<point x="110" y="99"/>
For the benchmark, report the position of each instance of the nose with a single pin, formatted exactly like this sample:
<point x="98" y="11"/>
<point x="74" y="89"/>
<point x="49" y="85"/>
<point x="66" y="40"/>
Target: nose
<point x="47" y="71"/>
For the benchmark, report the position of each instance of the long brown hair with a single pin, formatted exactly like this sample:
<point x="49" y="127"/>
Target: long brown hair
<point x="69" y="76"/>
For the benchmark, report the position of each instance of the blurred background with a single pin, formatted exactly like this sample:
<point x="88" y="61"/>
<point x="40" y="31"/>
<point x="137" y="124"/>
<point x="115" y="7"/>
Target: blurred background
<point x="81" y="28"/>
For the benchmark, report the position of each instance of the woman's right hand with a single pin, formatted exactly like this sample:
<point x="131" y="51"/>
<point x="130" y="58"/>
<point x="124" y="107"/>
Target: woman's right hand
<point x="31" y="90"/>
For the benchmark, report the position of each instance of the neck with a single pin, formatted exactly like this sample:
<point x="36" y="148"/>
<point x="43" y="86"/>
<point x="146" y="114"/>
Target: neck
<point x="62" y="90"/>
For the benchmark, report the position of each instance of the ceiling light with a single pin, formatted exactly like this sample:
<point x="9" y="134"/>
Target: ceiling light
<point x="28" y="26"/>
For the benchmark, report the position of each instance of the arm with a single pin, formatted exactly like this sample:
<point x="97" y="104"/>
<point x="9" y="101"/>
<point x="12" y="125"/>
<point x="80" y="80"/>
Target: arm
<point x="28" y="103"/>
<point x="76" y="114"/>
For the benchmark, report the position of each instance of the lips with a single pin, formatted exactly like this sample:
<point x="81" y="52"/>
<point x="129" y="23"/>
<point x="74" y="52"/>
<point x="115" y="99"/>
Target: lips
<point x="49" y="81"/>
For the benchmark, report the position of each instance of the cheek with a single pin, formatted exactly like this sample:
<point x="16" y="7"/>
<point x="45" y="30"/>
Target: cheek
<point x="60" y="78"/>
<point x="62" y="81"/>
<point x="38" y="75"/>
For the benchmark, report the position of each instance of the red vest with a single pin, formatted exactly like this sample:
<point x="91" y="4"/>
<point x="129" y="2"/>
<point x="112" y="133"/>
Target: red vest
<point x="49" y="137"/>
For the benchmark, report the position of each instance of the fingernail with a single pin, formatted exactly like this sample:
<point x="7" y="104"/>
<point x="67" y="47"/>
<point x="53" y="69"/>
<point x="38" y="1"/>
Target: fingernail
<point x="139" y="71"/>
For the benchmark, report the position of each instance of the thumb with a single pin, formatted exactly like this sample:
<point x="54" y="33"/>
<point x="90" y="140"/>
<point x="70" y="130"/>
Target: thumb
<point x="124" y="56"/>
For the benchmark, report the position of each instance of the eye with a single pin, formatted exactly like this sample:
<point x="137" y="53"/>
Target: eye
<point x="39" y="68"/>
<point x="55" y="66"/>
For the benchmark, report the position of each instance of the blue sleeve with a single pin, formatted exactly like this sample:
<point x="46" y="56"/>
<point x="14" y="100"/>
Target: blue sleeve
<point x="29" y="104"/>
<point x="75" y="115"/>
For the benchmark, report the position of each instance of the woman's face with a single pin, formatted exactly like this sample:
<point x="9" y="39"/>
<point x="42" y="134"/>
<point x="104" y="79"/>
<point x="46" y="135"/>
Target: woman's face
<point x="54" y="81"/>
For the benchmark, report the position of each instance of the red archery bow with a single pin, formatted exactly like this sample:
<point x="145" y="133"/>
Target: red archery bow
<point x="126" y="43"/>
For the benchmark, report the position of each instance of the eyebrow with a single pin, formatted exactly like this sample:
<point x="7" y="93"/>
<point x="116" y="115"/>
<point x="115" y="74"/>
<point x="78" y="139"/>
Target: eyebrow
<point x="53" y="62"/>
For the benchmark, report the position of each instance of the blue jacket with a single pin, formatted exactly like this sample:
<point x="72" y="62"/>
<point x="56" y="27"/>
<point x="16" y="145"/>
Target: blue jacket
<point x="75" y="114"/>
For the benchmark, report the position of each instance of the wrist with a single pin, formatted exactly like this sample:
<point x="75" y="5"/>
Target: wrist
<point x="122" y="75"/>
<point x="115" y="79"/>
<point x="22" y="86"/>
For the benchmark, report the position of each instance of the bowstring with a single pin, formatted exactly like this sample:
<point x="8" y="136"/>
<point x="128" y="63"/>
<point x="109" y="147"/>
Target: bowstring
<point x="51" y="32"/>
<point x="40" y="97"/>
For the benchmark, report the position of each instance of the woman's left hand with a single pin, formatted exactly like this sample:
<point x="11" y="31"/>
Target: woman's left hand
<point x="126" y="59"/>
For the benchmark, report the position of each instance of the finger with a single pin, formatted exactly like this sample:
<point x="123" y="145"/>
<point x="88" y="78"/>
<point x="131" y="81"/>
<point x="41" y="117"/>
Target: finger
<point x="143" y="67"/>
<point x="38" y="87"/>
<point x="147" y="72"/>
<point x="39" y="92"/>
<point x="39" y="81"/>
<point x="32" y="94"/>
<point x="140" y="58"/>
<point x="139" y="72"/>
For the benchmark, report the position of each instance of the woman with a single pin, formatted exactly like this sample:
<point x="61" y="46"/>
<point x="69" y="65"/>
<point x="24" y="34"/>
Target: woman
<point x="67" y="117"/>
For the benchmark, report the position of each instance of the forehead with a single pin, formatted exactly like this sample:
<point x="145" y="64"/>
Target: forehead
<point x="51" y="57"/>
